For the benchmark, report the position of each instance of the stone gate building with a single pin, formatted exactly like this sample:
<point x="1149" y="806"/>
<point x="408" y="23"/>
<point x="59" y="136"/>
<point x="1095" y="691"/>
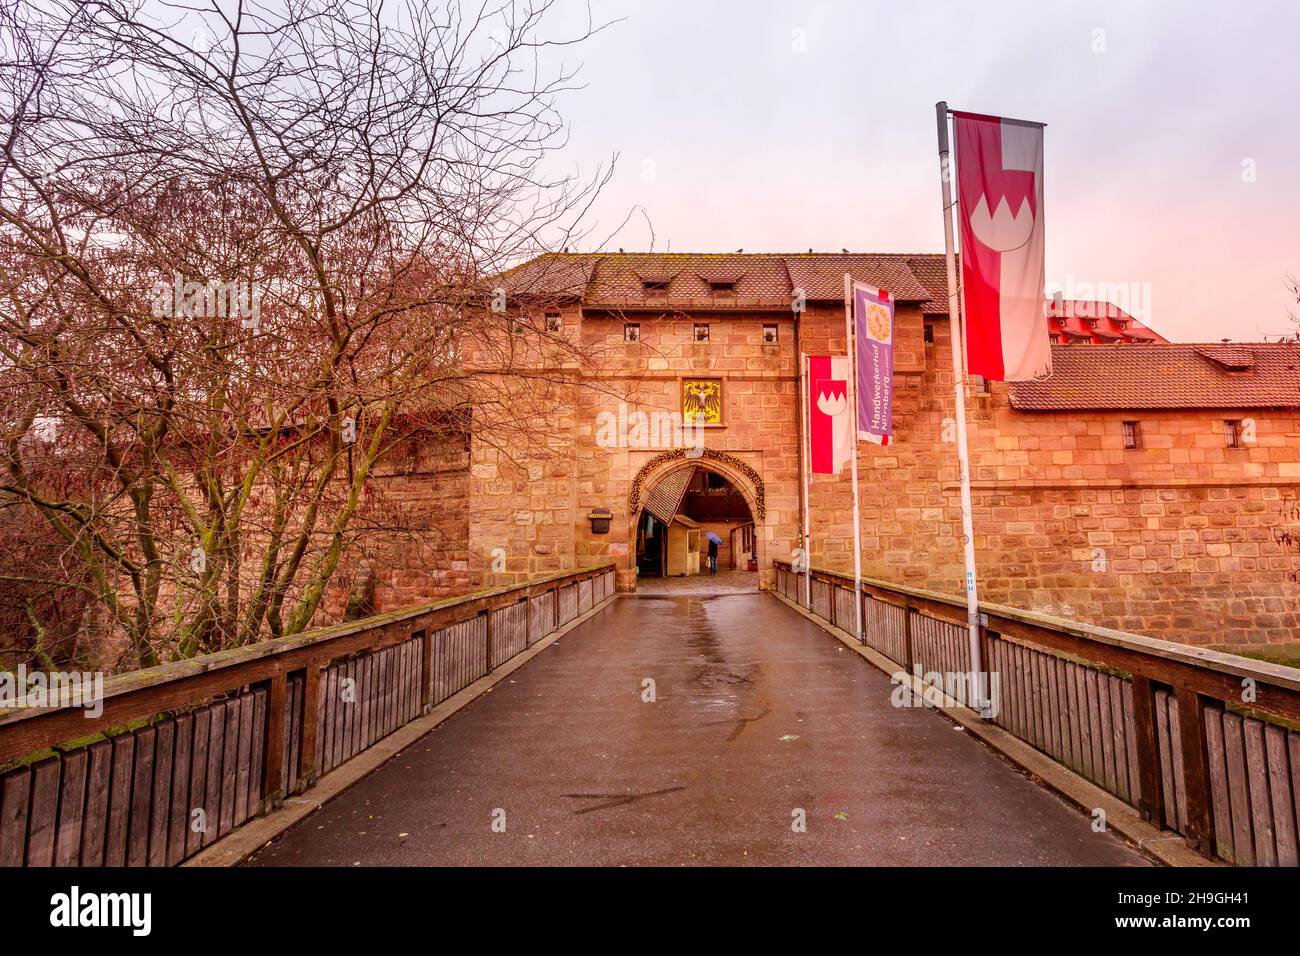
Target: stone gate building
<point x="1147" y="486"/>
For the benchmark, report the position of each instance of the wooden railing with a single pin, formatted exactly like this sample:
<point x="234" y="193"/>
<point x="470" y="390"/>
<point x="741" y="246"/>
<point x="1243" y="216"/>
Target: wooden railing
<point x="184" y="753"/>
<point x="1200" y="742"/>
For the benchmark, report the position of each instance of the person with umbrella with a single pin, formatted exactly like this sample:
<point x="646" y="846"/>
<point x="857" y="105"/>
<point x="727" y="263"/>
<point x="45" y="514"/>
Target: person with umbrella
<point x="714" y="541"/>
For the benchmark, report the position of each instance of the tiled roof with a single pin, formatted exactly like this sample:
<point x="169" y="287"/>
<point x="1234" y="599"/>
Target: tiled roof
<point x="553" y="275"/>
<point x="822" y="276"/>
<point x="619" y="279"/>
<point x="1081" y="320"/>
<point x="769" y="279"/>
<point x="1166" y="375"/>
<point x="932" y="271"/>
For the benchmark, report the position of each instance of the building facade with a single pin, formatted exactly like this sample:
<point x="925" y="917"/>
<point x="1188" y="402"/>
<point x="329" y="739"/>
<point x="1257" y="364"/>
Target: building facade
<point x="1147" y="486"/>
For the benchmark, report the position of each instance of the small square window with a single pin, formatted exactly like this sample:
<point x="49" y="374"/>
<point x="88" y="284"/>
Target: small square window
<point x="769" y="335"/>
<point x="1132" y="435"/>
<point x="554" y="322"/>
<point x="981" y="384"/>
<point x="1232" y="432"/>
<point x="631" y="332"/>
<point x="701" y="331"/>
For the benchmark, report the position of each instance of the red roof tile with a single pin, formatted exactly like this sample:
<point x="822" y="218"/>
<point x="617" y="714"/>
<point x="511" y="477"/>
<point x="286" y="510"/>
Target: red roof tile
<point x="1081" y="320"/>
<point x="822" y="276"/>
<point x="932" y="270"/>
<point x="619" y="279"/>
<point x="1166" y="375"/>
<point x="557" y="275"/>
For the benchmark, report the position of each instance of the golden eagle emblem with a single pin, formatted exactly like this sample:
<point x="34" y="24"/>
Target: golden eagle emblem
<point x="702" y="401"/>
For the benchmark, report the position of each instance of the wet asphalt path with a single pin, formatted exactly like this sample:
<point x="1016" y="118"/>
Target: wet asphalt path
<point x="757" y="714"/>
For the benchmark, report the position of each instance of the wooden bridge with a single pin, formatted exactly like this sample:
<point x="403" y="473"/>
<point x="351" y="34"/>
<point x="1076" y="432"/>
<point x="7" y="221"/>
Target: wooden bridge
<point x="736" y="728"/>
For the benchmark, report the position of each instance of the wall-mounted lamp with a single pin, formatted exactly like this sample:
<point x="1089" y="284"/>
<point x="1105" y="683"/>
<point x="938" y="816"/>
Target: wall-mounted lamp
<point x="600" y="518"/>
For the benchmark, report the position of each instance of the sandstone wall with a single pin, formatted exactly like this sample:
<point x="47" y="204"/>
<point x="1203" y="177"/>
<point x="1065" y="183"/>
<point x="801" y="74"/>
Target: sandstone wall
<point x="1183" y="538"/>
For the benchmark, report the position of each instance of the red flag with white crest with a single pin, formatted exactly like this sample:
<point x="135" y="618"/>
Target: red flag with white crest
<point x="830" y="422"/>
<point x="1000" y="205"/>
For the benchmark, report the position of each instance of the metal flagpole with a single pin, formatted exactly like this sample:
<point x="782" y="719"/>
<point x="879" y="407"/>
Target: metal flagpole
<point x="853" y="404"/>
<point x="959" y="395"/>
<point x="805" y="466"/>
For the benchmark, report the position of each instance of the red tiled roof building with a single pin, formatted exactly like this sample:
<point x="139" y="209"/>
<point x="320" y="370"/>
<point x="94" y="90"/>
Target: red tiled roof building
<point x="1144" y="485"/>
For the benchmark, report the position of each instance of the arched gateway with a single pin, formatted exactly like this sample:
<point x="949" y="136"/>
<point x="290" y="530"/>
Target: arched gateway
<point x="680" y="496"/>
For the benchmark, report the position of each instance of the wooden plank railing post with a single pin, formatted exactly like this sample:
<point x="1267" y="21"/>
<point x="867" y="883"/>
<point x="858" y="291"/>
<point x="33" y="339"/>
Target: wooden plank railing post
<point x="1196" y="770"/>
<point x="1151" y="798"/>
<point x="860" y="612"/>
<point x="426" y="670"/>
<point x="273" y="751"/>
<point x="907" y="635"/>
<point x="307" y="769"/>
<point x="985" y="677"/>
<point x="528" y="618"/>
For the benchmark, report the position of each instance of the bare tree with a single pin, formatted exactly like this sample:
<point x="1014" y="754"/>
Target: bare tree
<point x="243" y="252"/>
<point x="1293" y="290"/>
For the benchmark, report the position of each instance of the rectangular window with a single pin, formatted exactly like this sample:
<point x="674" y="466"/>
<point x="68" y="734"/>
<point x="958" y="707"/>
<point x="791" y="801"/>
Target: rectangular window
<point x="631" y="332"/>
<point x="981" y="384"/>
<point x="769" y="335"/>
<point x="701" y="331"/>
<point x="1132" y="435"/>
<point x="929" y="333"/>
<point x="554" y="322"/>
<point x="1232" y="432"/>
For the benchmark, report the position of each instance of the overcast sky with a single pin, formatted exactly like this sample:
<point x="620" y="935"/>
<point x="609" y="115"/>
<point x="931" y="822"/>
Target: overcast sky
<point x="1171" y="150"/>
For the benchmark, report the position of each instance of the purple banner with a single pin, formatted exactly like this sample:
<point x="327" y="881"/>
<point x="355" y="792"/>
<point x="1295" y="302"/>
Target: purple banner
<point x="873" y="313"/>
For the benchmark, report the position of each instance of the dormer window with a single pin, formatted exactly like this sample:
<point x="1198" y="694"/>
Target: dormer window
<point x="721" y="280"/>
<point x="655" y="286"/>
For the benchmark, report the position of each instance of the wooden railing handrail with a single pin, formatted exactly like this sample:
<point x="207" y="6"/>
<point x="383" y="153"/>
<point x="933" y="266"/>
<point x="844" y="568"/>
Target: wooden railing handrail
<point x="1031" y="624"/>
<point x="155" y="690"/>
<point x="1202" y="685"/>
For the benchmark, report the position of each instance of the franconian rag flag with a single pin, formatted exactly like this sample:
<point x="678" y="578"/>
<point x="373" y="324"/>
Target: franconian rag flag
<point x="830" y="426"/>
<point x="1000" y="200"/>
<point x="873" y="313"/>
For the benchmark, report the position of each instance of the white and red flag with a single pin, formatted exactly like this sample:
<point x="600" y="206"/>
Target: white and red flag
<point x="830" y="421"/>
<point x="1000" y="205"/>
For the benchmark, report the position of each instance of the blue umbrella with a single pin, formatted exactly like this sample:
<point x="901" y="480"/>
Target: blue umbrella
<point x="712" y="537"/>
